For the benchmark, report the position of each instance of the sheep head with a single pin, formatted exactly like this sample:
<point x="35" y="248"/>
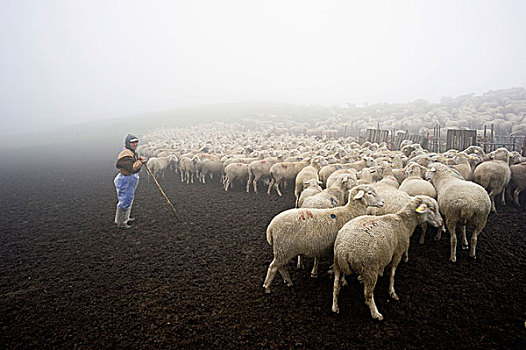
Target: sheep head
<point x="427" y="211"/>
<point x="367" y="194"/>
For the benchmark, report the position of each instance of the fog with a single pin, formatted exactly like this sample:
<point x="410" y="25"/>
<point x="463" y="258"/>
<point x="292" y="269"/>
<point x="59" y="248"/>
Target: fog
<point x="65" y="62"/>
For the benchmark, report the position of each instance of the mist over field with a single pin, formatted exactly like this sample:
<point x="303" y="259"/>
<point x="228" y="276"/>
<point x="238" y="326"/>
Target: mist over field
<point x="96" y="70"/>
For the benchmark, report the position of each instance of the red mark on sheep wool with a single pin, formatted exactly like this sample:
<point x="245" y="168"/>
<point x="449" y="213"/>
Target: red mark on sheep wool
<point x="368" y="226"/>
<point x="262" y="162"/>
<point x="305" y="215"/>
<point x="284" y="166"/>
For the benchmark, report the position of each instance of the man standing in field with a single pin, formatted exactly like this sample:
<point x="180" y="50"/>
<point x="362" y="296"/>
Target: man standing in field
<point x="129" y="164"/>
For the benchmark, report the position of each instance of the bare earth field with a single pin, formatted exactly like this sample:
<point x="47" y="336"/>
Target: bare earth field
<point x="69" y="279"/>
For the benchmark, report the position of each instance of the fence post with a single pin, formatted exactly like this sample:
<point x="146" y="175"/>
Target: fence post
<point x="485" y="139"/>
<point x="492" y="143"/>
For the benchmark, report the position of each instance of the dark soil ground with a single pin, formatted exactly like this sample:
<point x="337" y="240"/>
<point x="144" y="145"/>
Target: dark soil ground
<point x="69" y="279"/>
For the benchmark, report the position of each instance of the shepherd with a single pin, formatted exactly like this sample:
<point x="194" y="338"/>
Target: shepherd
<point x="129" y="164"/>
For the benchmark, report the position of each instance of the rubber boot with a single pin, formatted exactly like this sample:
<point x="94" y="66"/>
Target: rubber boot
<point x="120" y="218"/>
<point x="127" y="218"/>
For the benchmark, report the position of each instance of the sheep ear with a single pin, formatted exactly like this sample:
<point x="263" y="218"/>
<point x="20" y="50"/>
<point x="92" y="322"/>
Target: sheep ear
<point x="432" y="169"/>
<point x="359" y="194"/>
<point x="422" y="208"/>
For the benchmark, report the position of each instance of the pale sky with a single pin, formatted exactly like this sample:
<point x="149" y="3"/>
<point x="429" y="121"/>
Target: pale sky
<point x="64" y="62"/>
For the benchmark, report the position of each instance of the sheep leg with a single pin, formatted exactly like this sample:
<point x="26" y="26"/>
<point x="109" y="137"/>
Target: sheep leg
<point x="255" y="184"/>
<point x="439" y="232"/>
<point x="300" y="265"/>
<point x="502" y="199"/>
<point x="474" y="239"/>
<point x="453" y="240"/>
<point x="270" y="185"/>
<point x="227" y="183"/>
<point x="423" y="226"/>
<point x="314" y="272"/>
<point x="271" y="273"/>
<point x="369" y="282"/>
<point x="286" y="277"/>
<point x="277" y="189"/>
<point x="394" y="265"/>
<point x="248" y="183"/>
<point x="464" y="239"/>
<point x="492" y="197"/>
<point x="336" y="288"/>
<point x="344" y="281"/>
<point x="516" y="193"/>
<point x="296" y="193"/>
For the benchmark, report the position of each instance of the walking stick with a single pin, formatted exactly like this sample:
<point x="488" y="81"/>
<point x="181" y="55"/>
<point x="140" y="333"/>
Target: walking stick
<point x="162" y="192"/>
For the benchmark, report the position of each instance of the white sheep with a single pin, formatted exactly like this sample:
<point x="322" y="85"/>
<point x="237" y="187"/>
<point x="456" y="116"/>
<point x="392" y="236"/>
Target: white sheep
<point x="494" y="176"/>
<point x="518" y="181"/>
<point x="338" y="173"/>
<point x="235" y="171"/>
<point x="284" y="171"/>
<point x="334" y="196"/>
<point x="209" y="167"/>
<point x="311" y="232"/>
<point x="311" y="188"/>
<point x="366" y="245"/>
<point x="394" y="198"/>
<point x="415" y="185"/>
<point x="308" y="173"/>
<point x="259" y="170"/>
<point x="370" y="175"/>
<point x="159" y="165"/>
<point x="327" y="170"/>
<point x="188" y="167"/>
<point x="460" y="201"/>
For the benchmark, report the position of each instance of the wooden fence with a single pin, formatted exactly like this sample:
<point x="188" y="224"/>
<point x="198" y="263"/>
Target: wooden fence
<point x="461" y="139"/>
<point x="377" y="135"/>
<point x="438" y="141"/>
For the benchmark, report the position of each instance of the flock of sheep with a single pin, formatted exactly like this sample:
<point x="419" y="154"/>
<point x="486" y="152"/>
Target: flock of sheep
<point x="358" y="202"/>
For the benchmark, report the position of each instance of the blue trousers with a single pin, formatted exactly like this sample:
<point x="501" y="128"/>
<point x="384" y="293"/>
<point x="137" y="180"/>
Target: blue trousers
<point x="126" y="185"/>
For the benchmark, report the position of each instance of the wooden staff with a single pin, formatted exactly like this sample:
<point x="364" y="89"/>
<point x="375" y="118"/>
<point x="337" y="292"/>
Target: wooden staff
<point x="162" y="192"/>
